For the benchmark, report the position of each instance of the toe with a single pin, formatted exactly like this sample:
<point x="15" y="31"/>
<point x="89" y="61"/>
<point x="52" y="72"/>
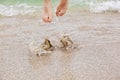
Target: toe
<point x="61" y="13"/>
<point x="57" y="12"/>
<point x="47" y="19"/>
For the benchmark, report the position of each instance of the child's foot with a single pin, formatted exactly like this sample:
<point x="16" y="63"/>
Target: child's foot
<point x="47" y="11"/>
<point x="62" y="8"/>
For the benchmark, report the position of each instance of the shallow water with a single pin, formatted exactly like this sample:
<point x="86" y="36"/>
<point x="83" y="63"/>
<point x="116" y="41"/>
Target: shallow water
<point x="34" y="2"/>
<point x="96" y="57"/>
<point x="33" y="7"/>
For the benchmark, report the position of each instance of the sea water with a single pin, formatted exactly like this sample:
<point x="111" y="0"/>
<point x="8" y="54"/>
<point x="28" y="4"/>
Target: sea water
<point x="23" y="7"/>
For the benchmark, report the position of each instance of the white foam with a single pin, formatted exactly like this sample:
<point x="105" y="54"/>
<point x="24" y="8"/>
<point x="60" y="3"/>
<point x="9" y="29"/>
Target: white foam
<point x="23" y="9"/>
<point x="105" y="6"/>
<point x="10" y="10"/>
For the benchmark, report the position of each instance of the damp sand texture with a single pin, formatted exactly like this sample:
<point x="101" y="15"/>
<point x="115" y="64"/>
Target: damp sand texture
<point x="96" y="58"/>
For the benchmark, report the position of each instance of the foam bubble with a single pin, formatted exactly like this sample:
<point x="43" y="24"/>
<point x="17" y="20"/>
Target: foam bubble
<point x="113" y="6"/>
<point x="22" y="9"/>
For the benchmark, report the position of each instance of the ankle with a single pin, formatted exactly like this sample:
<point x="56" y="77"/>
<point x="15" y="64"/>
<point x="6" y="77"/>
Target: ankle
<point x="64" y="1"/>
<point x="47" y="4"/>
<point x="47" y="1"/>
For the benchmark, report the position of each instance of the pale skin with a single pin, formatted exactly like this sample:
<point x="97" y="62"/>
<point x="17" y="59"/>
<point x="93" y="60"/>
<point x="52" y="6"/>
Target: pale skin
<point x="47" y="14"/>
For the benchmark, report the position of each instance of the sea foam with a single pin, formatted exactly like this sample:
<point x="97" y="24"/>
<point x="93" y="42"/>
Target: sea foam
<point x="22" y="9"/>
<point x="25" y="9"/>
<point x="108" y="6"/>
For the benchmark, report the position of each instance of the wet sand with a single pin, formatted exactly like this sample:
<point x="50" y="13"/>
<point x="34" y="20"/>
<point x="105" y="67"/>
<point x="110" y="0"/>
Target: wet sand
<point x="97" y="56"/>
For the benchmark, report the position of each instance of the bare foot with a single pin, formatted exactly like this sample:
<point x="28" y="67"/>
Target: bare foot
<point x="47" y="11"/>
<point x="62" y="8"/>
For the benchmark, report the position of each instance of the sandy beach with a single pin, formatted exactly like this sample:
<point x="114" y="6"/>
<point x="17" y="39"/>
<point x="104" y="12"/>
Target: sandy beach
<point x="97" y="56"/>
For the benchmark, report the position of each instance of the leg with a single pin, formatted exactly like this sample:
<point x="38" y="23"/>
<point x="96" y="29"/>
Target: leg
<point x="62" y="8"/>
<point x="47" y="11"/>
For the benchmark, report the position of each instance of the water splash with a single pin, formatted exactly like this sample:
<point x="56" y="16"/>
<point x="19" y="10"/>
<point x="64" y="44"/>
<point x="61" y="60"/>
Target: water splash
<point x="110" y="6"/>
<point x="91" y="5"/>
<point x="22" y="9"/>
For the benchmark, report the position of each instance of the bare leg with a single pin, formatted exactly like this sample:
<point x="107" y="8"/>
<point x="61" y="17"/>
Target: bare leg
<point x="47" y="11"/>
<point x="62" y="8"/>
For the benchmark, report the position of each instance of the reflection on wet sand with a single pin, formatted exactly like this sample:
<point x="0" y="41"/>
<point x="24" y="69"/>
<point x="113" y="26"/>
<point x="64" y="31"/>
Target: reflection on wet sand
<point x="39" y="61"/>
<point x="59" y="62"/>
